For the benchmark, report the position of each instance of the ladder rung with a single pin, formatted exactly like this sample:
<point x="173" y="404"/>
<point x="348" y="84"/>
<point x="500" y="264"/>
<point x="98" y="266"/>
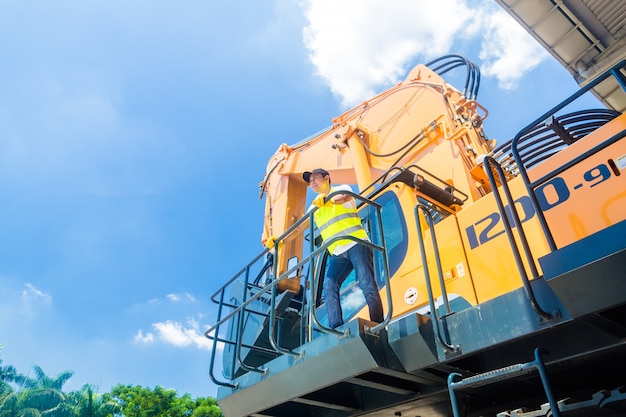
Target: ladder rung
<point x="492" y="376"/>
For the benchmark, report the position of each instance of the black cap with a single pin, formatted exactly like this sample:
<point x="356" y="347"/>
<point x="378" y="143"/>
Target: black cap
<point x="307" y="174"/>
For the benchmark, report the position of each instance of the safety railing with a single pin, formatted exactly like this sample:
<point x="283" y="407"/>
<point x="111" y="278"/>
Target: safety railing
<point x="506" y="216"/>
<point x="237" y="312"/>
<point x="617" y="72"/>
<point x="522" y="164"/>
<point x="446" y="346"/>
<point x="252" y="292"/>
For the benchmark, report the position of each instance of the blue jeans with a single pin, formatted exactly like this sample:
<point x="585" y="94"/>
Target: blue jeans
<point x="359" y="257"/>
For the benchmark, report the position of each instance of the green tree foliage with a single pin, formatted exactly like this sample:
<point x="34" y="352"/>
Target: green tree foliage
<point x="41" y="380"/>
<point x="86" y="403"/>
<point x="137" y="401"/>
<point x="43" y="396"/>
<point x="8" y="374"/>
<point x="206" y="407"/>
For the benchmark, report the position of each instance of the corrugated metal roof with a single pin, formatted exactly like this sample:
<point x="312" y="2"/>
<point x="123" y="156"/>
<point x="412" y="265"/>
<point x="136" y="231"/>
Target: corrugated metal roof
<point x="585" y="36"/>
<point x="610" y="13"/>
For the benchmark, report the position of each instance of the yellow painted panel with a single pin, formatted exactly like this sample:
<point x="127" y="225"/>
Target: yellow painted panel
<point x="489" y="255"/>
<point x="589" y="196"/>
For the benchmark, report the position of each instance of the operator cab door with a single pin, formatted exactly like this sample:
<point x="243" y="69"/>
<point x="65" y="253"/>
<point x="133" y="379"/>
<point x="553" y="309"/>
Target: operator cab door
<point x="408" y="287"/>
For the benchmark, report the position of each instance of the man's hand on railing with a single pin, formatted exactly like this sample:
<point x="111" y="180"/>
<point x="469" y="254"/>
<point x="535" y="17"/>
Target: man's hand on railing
<point x="319" y="201"/>
<point x="270" y="242"/>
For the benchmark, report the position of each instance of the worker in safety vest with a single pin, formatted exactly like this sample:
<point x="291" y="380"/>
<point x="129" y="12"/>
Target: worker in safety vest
<point x="338" y="217"/>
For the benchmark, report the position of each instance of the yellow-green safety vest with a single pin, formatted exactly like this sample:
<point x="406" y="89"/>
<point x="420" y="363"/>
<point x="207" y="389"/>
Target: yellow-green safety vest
<point x="336" y="220"/>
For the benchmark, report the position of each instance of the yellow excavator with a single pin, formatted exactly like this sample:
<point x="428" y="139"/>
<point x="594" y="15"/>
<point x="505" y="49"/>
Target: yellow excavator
<point x="502" y="268"/>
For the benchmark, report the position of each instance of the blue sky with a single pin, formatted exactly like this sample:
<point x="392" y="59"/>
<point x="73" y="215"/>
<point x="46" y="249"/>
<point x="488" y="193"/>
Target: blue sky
<point x="134" y="135"/>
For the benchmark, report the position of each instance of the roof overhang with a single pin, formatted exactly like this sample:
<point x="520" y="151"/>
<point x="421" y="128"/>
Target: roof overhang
<point x="586" y="36"/>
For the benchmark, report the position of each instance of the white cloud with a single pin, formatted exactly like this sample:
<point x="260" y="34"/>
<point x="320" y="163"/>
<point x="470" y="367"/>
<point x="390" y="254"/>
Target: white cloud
<point x="359" y="47"/>
<point x="176" y="334"/>
<point x="33" y="293"/>
<point x="23" y="303"/>
<point x="508" y="52"/>
<point x="141" y="338"/>
<point x="33" y="298"/>
<point x="178" y="297"/>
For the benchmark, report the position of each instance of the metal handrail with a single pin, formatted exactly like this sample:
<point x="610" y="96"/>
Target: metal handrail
<point x="444" y="295"/>
<point x="489" y="162"/>
<point x="615" y="71"/>
<point x="240" y="310"/>
<point x="498" y="374"/>
<point x="212" y="361"/>
<point x="237" y="275"/>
